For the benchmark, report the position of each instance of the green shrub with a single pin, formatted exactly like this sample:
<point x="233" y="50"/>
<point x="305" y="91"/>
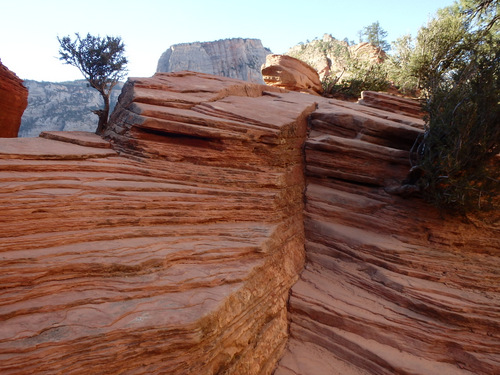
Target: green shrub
<point x="457" y="157"/>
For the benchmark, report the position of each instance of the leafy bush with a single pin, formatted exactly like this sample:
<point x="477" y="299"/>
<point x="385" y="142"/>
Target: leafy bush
<point x="457" y="157"/>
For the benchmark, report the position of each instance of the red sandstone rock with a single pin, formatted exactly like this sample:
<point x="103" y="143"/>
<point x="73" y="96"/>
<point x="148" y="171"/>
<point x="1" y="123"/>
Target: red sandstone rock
<point x="13" y="102"/>
<point x="392" y="103"/>
<point x="175" y="257"/>
<point x="174" y="250"/>
<point x="292" y="74"/>
<point x="390" y="285"/>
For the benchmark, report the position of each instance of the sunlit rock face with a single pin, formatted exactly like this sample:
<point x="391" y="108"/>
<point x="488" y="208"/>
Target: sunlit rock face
<point x="167" y="248"/>
<point x="226" y="227"/>
<point x="13" y="102"/>
<point x="234" y="58"/>
<point x="291" y="74"/>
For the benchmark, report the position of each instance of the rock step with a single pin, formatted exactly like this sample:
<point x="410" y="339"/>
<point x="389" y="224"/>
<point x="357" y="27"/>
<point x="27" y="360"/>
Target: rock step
<point x="171" y="252"/>
<point x="392" y="103"/>
<point x="390" y="286"/>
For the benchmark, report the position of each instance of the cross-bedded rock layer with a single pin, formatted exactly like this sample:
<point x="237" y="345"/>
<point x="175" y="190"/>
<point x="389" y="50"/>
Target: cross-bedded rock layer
<point x="170" y="246"/>
<point x="172" y="252"/>
<point x="390" y="286"/>
<point x="13" y="102"/>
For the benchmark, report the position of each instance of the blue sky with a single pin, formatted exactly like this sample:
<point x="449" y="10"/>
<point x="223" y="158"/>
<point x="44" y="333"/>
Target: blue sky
<point x="29" y="28"/>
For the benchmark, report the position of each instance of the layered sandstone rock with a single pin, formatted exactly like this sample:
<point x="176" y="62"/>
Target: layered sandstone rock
<point x="172" y="252"/>
<point x="170" y="246"/>
<point x="391" y="286"/>
<point x="291" y="74"/>
<point x="392" y="103"/>
<point x="13" y="102"/>
<point x="235" y="58"/>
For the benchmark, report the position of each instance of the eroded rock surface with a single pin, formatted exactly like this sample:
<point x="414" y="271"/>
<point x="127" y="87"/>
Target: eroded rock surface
<point x="172" y="252"/>
<point x="239" y="58"/>
<point x="62" y="106"/>
<point x="170" y="246"/>
<point x="291" y="74"/>
<point x="392" y="103"/>
<point x="13" y="102"/>
<point x="390" y="285"/>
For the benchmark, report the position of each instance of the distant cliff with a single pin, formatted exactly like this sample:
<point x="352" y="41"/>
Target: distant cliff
<point x="62" y="106"/>
<point x="234" y="58"/>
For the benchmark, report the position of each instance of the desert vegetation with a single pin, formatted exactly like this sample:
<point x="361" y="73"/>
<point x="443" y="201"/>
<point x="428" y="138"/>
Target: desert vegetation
<point x="102" y="62"/>
<point x="453" y="67"/>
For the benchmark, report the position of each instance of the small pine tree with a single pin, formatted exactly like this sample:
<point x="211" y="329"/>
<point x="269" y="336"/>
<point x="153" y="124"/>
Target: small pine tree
<point x="375" y="35"/>
<point x="102" y="63"/>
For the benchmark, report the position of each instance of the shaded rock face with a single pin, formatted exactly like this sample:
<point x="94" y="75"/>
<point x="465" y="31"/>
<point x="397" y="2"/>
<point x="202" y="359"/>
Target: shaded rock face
<point x="390" y="286"/>
<point x="13" y="102"/>
<point x="291" y="74"/>
<point x="235" y="58"/>
<point x="56" y="106"/>
<point x="392" y="103"/>
<point x="171" y="245"/>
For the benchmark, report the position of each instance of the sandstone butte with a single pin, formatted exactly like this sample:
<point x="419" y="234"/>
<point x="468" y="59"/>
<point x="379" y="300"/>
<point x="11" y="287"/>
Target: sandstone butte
<point x="13" y="102"/>
<point x="224" y="227"/>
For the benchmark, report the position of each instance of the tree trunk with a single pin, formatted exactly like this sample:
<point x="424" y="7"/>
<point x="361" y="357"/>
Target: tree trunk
<point x="103" y="115"/>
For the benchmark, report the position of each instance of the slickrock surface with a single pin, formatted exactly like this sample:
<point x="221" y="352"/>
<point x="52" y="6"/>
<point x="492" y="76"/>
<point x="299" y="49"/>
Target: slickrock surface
<point x="391" y="103"/>
<point x="291" y="74"/>
<point x="171" y="245"/>
<point x="13" y="102"/>
<point x="390" y="286"/>
<point x="175" y="256"/>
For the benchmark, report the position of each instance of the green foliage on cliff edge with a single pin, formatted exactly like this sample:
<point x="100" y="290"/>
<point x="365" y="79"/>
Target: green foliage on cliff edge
<point x="453" y="65"/>
<point x="352" y="70"/>
<point x="457" y="158"/>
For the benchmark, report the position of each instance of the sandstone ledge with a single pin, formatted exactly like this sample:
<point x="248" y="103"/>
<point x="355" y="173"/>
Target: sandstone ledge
<point x="390" y="285"/>
<point x="174" y="250"/>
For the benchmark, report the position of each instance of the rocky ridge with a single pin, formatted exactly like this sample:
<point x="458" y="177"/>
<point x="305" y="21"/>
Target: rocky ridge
<point x="173" y="251"/>
<point x="235" y="58"/>
<point x="171" y="245"/>
<point x="291" y="74"/>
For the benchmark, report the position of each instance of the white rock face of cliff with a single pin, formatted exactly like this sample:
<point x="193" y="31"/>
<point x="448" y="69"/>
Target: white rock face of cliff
<point x="235" y="58"/>
<point x="62" y="106"/>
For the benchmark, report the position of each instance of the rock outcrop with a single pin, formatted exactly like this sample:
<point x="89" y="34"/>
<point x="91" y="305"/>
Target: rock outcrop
<point x="171" y="245"/>
<point x="291" y="74"/>
<point x="392" y="103"/>
<point x="330" y="56"/>
<point x="235" y="58"/>
<point x="391" y="286"/>
<point x="13" y="102"/>
<point x="57" y="106"/>
<point x="172" y="252"/>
